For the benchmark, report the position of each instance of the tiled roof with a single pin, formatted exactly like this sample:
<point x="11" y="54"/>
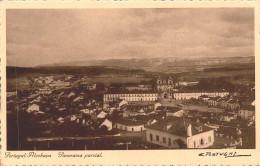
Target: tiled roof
<point x="178" y="126"/>
<point x="167" y="108"/>
<point x="128" y="122"/>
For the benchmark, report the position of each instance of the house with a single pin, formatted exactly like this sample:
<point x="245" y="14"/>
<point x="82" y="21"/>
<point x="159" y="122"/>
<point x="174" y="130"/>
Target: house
<point x="214" y="101"/>
<point x="174" y="132"/>
<point x="91" y="86"/>
<point x="156" y="105"/>
<point x="227" y="117"/>
<point x="229" y="104"/>
<point x="247" y="112"/>
<point x="122" y="103"/>
<point x="71" y="94"/>
<point x="87" y="111"/>
<point x="185" y="83"/>
<point x="204" y="97"/>
<point x="133" y="96"/>
<point x="105" y="122"/>
<point x="60" y="120"/>
<point x="79" y="98"/>
<point x="10" y="94"/>
<point x="196" y="95"/>
<point x="175" y="111"/>
<point x="129" y="125"/>
<point x="34" y="108"/>
<point x="101" y="114"/>
<point x="146" y="119"/>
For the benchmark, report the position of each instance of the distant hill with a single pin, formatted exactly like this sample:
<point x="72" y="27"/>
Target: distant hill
<point x="13" y="71"/>
<point x="161" y="64"/>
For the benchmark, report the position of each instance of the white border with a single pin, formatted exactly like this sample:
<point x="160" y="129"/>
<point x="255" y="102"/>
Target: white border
<point x="131" y="157"/>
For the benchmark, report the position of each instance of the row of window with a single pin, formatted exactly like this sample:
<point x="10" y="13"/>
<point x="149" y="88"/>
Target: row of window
<point x="199" y="94"/>
<point x="135" y="99"/>
<point x="157" y="138"/>
<point x="160" y="82"/>
<point x="132" y="129"/>
<point x="129" y="95"/>
<point x="202" y="142"/>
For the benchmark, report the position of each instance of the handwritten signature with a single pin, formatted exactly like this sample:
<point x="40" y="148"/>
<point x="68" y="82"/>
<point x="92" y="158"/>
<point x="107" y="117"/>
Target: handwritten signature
<point x="225" y="154"/>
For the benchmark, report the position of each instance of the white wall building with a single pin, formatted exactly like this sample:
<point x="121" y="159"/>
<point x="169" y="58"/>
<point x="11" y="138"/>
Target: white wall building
<point x="186" y="96"/>
<point x="174" y="132"/>
<point x="131" y="97"/>
<point x="248" y="114"/>
<point x="129" y="125"/>
<point x="107" y="123"/>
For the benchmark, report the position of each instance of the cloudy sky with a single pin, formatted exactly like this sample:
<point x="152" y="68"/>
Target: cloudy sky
<point x="36" y="37"/>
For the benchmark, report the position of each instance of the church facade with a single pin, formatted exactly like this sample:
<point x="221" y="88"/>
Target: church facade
<point x="165" y="87"/>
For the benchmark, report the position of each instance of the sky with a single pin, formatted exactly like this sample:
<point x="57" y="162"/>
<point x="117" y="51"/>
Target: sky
<point x="46" y="36"/>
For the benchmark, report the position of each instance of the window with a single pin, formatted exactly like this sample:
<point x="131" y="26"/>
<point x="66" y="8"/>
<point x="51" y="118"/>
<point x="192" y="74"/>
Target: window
<point x="194" y="144"/>
<point x="200" y="129"/>
<point x="164" y="140"/>
<point x="209" y="139"/>
<point x="201" y="141"/>
<point x="126" y="128"/>
<point x="132" y="129"/>
<point x="157" y="137"/>
<point x="141" y="129"/>
<point x="169" y="142"/>
<point x="151" y="137"/>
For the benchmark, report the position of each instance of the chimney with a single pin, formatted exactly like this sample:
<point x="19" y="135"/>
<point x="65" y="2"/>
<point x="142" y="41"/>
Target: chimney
<point x="189" y="132"/>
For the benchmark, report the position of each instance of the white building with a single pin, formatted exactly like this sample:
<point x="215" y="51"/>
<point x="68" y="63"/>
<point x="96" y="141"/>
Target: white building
<point x="173" y="132"/>
<point x="10" y="94"/>
<point x="34" y="108"/>
<point x="145" y="96"/>
<point x="129" y="125"/>
<point x="101" y="114"/>
<point x="165" y="84"/>
<point x="186" y="96"/>
<point x="247" y="112"/>
<point x="107" y="123"/>
<point x="175" y="112"/>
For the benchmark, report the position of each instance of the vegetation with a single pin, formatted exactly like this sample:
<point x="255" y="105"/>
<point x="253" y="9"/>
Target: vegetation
<point x="14" y="72"/>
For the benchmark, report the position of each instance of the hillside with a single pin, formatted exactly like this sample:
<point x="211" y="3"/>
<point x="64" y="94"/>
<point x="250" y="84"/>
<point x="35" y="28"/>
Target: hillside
<point x="166" y="65"/>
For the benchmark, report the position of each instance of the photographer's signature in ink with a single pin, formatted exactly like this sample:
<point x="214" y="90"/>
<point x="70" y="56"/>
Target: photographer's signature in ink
<point x="225" y="154"/>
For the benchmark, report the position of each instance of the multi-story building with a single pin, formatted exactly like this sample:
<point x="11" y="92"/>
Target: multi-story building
<point x="196" y="95"/>
<point x="165" y="84"/>
<point x="247" y="112"/>
<point x="165" y="87"/>
<point x="131" y="96"/>
<point x="10" y="94"/>
<point x="174" y="132"/>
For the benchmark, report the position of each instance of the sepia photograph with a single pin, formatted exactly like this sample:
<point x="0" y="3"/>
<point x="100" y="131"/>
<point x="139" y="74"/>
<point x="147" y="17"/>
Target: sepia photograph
<point x="130" y="79"/>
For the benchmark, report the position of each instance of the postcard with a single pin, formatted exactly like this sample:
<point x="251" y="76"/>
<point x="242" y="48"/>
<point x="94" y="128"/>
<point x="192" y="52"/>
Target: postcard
<point x="129" y="82"/>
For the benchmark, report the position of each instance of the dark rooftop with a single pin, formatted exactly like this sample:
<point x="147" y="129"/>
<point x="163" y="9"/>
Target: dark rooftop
<point x="128" y="122"/>
<point x="178" y="126"/>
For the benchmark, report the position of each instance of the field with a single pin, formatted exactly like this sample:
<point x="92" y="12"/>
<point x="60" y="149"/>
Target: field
<point x="20" y="83"/>
<point x="240" y="77"/>
<point x="117" y="80"/>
